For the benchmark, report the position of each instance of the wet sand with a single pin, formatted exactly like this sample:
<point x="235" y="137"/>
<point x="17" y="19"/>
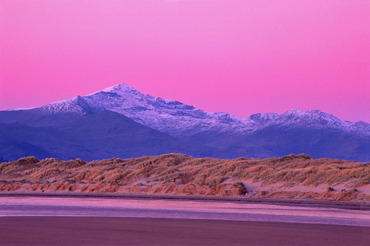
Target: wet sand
<point x="181" y="209"/>
<point x="154" y="231"/>
<point x="355" y="204"/>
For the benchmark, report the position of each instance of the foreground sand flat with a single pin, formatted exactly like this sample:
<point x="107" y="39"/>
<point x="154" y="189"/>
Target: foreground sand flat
<point x="150" y="231"/>
<point x="45" y="220"/>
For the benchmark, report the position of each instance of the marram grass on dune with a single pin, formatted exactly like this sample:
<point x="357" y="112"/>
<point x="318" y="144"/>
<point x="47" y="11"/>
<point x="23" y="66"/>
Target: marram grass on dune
<point x="293" y="176"/>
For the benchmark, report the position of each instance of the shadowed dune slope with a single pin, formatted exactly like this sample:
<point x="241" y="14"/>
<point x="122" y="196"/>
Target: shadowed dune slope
<point x="292" y="176"/>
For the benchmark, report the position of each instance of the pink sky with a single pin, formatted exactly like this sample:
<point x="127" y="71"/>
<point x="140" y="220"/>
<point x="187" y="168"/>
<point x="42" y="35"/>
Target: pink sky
<point x="240" y="57"/>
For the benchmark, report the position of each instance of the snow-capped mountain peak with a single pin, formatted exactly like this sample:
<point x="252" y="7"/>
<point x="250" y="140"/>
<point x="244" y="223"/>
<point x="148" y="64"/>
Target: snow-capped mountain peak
<point x="176" y="118"/>
<point x="120" y="89"/>
<point x="294" y="111"/>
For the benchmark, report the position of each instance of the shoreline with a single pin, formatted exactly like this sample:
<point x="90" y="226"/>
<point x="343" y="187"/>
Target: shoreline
<point x="357" y="205"/>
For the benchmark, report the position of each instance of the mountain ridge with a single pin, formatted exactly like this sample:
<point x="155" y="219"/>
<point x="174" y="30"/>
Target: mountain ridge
<point x="194" y="131"/>
<point x="147" y="110"/>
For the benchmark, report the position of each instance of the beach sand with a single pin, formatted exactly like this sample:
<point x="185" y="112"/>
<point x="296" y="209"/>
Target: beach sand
<point x="39" y="230"/>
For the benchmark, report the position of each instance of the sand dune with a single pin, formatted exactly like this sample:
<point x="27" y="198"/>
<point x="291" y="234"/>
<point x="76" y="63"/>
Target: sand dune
<point x="293" y="176"/>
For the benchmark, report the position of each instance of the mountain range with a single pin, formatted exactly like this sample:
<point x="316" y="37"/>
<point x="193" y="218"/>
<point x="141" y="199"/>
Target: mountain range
<point x="122" y="122"/>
